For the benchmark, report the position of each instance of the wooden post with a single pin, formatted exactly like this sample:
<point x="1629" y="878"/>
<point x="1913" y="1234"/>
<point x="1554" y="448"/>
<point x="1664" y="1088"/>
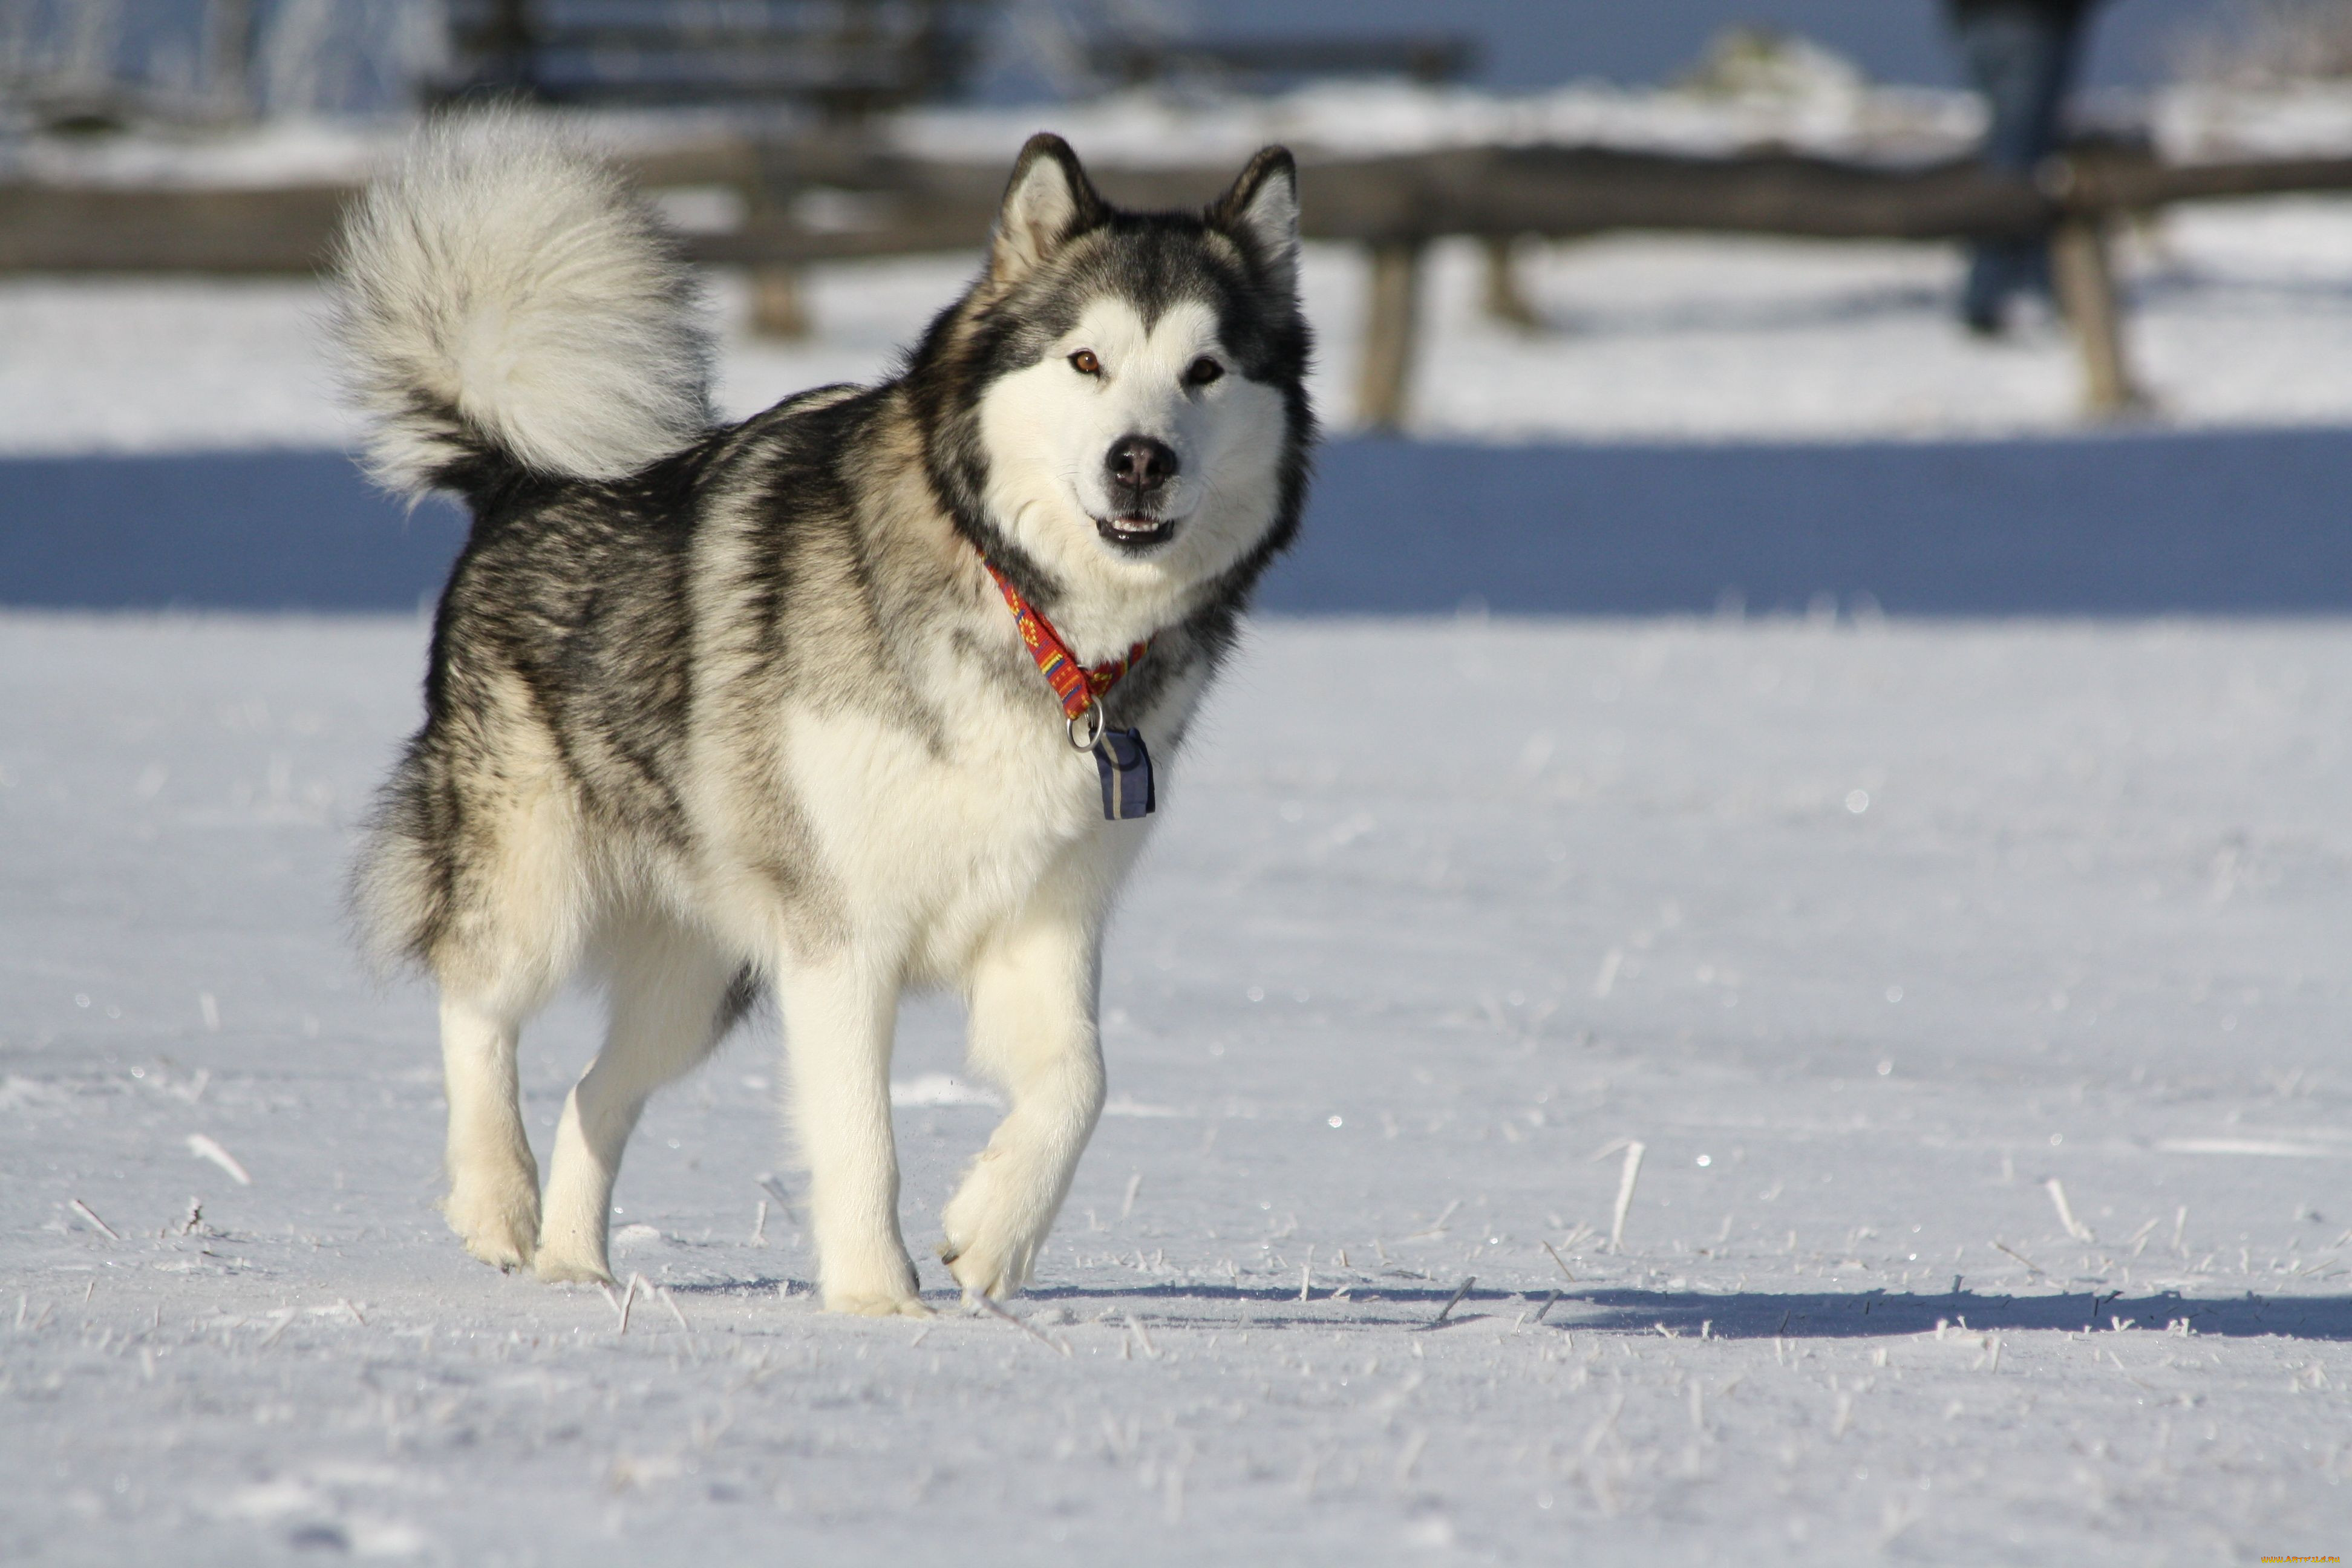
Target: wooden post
<point x="1393" y="310"/>
<point x="228" y="47"/>
<point x="2081" y="271"/>
<point x="779" y="307"/>
<point x="1506" y="299"/>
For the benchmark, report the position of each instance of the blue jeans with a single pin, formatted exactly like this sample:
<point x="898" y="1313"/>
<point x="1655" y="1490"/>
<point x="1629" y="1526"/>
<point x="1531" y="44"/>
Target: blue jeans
<point x="2021" y="57"/>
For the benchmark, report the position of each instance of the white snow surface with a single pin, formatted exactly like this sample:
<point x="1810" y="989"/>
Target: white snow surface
<point x="1866" y="933"/>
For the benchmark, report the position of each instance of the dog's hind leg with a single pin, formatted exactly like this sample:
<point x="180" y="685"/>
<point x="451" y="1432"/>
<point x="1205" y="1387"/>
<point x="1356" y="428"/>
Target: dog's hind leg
<point x="672" y="997"/>
<point x="493" y="1199"/>
<point x="1033" y="1031"/>
<point x="838" y="1019"/>
<point x="516" y="891"/>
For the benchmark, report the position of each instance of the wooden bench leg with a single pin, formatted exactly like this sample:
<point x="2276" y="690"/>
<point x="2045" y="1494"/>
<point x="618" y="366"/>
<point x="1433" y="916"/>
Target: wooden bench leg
<point x="2082" y="272"/>
<point x="228" y="47"/>
<point x="778" y="305"/>
<point x="1506" y="294"/>
<point x="1393" y="320"/>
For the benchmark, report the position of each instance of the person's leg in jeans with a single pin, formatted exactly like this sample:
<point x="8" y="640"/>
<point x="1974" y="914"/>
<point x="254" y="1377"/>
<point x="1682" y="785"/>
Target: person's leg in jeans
<point x="2021" y="57"/>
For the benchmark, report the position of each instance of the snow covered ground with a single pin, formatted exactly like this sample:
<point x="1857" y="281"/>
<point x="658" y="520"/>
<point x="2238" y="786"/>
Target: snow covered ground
<point x="1878" y="938"/>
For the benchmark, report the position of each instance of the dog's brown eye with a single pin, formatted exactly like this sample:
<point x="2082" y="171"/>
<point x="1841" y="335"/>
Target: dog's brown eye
<point x="1204" y="370"/>
<point x="1084" y="363"/>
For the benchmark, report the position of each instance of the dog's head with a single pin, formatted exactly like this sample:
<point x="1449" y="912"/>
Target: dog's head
<point x="1117" y="406"/>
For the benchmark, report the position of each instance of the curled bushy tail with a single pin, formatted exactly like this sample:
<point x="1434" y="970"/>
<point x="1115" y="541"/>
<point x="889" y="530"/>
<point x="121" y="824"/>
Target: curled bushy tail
<point x="506" y="303"/>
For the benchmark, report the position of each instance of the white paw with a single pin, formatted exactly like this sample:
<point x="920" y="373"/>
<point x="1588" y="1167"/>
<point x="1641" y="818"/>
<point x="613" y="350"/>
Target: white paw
<point x="501" y="1227"/>
<point x="869" y="1304"/>
<point x="557" y="1268"/>
<point x="885" y="1288"/>
<point x="985" y="1273"/>
<point x="988" y="1254"/>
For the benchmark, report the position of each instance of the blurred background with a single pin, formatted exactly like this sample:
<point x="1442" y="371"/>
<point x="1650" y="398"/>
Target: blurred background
<point x="1720" y="307"/>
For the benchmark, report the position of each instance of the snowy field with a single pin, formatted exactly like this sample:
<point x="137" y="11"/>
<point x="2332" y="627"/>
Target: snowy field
<point x="1975" y="994"/>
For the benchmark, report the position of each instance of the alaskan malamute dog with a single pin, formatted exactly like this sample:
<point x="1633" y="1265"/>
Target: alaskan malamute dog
<point x="859" y="694"/>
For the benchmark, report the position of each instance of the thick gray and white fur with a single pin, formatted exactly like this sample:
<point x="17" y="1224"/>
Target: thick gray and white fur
<point x="715" y="710"/>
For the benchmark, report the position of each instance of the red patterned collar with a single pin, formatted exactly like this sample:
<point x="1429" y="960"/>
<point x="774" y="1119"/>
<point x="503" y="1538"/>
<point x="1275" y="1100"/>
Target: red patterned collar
<point x="1077" y="686"/>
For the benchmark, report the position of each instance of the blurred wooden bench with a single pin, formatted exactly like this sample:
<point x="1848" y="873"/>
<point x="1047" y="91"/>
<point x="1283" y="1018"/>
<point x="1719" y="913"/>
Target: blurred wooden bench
<point x="819" y="199"/>
<point x="837" y="56"/>
<point x="1274" y="61"/>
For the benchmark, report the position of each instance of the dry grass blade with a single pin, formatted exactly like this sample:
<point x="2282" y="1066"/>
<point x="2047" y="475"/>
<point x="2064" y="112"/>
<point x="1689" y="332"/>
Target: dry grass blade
<point x="91" y="1215"/>
<point x="621" y="1304"/>
<point x="996" y="1308"/>
<point x="2021" y="1257"/>
<point x="204" y="1148"/>
<point x="1452" y="1301"/>
<point x="1632" y="1174"/>
<point x="2074" y="1228"/>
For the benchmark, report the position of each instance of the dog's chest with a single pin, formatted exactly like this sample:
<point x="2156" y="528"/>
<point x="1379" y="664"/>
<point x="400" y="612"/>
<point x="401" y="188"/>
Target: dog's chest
<point x="946" y="825"/>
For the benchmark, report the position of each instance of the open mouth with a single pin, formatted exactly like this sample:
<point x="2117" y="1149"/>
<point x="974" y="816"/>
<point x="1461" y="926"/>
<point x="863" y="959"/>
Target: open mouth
<point x="1136" y="532"/>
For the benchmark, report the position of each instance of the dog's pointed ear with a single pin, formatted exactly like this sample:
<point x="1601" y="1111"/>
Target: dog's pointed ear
<point x="1262" y="211"/>
<point x="1048" y="200"/>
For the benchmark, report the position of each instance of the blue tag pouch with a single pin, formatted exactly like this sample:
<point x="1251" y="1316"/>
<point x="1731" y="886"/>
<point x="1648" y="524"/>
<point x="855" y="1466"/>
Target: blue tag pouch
<point x="1126" y="769"/>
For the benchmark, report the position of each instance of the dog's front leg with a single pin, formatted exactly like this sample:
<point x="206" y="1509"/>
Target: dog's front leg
<point x="838" y="1021"/>
<point x="1032" y="995"/>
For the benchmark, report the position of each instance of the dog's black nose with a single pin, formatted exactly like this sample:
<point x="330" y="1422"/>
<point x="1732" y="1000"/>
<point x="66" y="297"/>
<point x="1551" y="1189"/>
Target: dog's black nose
<point x="1140" y="465"/>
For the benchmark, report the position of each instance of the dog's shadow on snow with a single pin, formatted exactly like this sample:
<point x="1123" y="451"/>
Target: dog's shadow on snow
<point x="1735" y="1315"/>
<point x="1746" y="1314"/>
